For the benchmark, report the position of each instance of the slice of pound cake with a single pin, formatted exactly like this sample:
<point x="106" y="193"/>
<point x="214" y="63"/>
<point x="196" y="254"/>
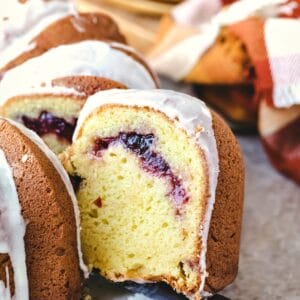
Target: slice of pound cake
<point x="47" y="93"/>
<point x="40" y="253"/>
<point x="160" y="189"/>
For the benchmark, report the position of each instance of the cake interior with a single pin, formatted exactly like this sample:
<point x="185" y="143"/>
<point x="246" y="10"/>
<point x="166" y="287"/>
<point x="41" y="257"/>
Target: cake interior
<point x="142" y="196"/>
<point x="52" y="117"/>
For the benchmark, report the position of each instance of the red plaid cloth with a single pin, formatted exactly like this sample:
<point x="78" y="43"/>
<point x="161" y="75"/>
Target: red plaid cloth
<point x="253" y="33"/>
<point x="273" y="46"/>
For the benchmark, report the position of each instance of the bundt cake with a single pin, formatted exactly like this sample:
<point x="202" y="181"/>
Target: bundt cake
<point x="226" y="58"/>
<point x="29" y="28"/>
<point x="160" y="190"/>
<point x="39" y="221"/>
<point x="52" y="88"/>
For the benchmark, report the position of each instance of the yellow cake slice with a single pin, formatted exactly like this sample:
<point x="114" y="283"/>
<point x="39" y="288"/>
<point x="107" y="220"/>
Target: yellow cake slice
<point x="148" y="164"/>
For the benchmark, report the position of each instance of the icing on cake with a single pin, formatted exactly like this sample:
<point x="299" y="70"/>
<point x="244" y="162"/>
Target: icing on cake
<point x="20" y="23"/>
<point x="92" y="58"/>
<point x="64" y="176"/>
<point x="12" y="232"/>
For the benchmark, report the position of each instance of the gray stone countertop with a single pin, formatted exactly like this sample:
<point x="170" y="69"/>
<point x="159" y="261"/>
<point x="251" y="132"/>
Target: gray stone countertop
<point x="270" y="249"/>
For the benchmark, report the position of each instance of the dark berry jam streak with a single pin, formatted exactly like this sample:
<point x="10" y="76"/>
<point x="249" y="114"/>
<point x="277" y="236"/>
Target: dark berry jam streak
<point x="151" y="162"/>
<point x="48" y="123"/>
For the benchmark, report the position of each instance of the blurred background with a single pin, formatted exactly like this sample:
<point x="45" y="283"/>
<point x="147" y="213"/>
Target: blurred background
<point x="138" y="19"/>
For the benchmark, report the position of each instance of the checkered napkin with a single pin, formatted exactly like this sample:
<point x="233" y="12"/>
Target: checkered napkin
<point x="283" y="50"/>
<point x="275" y="53"/>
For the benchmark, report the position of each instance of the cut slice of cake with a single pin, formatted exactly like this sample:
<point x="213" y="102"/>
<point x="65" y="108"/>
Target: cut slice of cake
<point x="47" y="93"/>
<point x="40" y="252"/>
<point x="160" y="192"/>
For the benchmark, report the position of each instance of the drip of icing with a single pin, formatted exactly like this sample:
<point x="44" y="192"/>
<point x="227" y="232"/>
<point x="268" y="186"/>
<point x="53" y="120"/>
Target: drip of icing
<point x="12" y="233"/>
<point x="89" y="58"/>
<point x="20" y="23"/>
<point x="187" y="52"/>
<point x="191" y="114"/>
<point x="64" y="176"/>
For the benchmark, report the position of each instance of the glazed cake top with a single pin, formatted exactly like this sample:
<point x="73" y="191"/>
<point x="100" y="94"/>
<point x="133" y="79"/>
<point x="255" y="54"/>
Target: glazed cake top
<point x="87" y="58"/>
<point x="12" y="233"/>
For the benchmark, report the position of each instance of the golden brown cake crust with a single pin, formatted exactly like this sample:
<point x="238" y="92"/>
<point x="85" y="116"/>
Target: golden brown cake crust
<point x="50" y="240"/>
<point x="226" y="62"/>
<point x="71" y="29"/>
<point x="225" y="229"/>
<point x="88" y="85"/>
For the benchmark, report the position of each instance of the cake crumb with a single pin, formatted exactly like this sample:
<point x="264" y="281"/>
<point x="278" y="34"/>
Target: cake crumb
<point x="24" y="158"/>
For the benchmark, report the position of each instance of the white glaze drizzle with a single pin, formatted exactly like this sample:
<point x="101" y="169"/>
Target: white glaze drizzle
<point x="177" y="61"/>
<point x="20" y="23"/>
<point x="12" y="233"/>
<point x="65" y="178"/>
<point x="89" y="58"/>
<point x="191" y="114"/>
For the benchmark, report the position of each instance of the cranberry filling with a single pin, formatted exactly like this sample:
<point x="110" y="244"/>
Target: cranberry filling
<point x="98" y="202"/>
<point x="152" y="162"/>
<point x="48" y="123"/>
